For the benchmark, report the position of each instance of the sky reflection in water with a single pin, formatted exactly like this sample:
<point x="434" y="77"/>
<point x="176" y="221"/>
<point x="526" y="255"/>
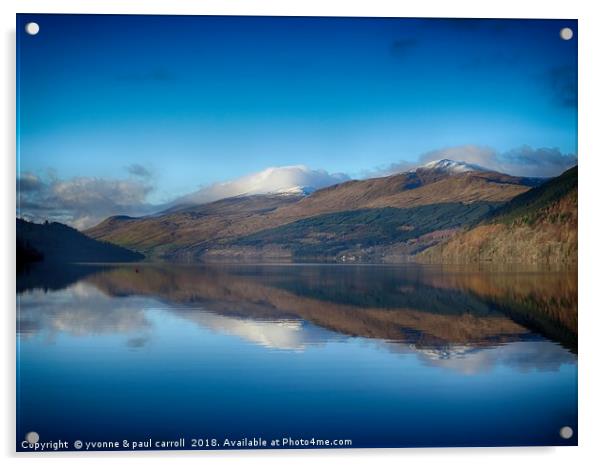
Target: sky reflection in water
<point x="423" y="356"/>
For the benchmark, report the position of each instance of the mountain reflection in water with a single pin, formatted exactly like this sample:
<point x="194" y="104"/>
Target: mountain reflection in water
<point x="446" y="315"/>
<point x="424" y="356"/>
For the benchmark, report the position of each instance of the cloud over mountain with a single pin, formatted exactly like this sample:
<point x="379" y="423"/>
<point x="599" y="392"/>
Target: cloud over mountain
<point x="270" y="180"/>
<point x="521" y="161"/>
<point x="84" y="201"/>
<point x="81" y="201"/>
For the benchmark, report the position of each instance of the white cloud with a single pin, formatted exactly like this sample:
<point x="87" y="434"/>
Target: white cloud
<point x="29" y="182"/>
<point x="521" y="161"/>
<point x="82" y="201"/>
<point x="270" y="180"/>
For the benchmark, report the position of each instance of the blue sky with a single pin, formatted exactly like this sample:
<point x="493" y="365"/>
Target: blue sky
<point x="200" y="100"/>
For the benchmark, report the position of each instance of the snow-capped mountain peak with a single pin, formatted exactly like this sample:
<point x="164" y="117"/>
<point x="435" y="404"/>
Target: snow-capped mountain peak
<point x="295" y="191"/>
<point x="451" y="166"/>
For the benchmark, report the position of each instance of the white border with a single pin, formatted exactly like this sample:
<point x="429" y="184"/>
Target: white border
<point x="590" y="200"/>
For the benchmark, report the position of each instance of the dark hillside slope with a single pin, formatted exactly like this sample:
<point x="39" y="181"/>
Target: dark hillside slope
<point x="362" y="234"/>
<point x="58" y="243"/>
<point x="539" y="226"/>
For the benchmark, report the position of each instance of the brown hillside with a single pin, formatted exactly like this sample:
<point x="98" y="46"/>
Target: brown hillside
<point x="197" y="226"/>
<point x="537" y="227"/>
<point x="407" y="190"/>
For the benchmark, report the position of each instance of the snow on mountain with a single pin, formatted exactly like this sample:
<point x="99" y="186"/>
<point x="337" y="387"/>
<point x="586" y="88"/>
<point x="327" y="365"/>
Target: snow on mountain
<point x="295" y="191"/>
<point x="294" y="179"/>
<point x="451" y="167"/>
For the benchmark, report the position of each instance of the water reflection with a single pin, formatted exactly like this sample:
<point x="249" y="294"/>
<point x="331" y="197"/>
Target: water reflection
<point x="457" y="319"/>
<point x="523" y="356"/>
<point x="461" y="356"/>
<point x="80" y="310"/>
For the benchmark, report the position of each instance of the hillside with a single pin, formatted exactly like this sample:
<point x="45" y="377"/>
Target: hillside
<point x="58" y="243"/>
<point x="539" y="226"/>
<point x="185" y="226"/>
<point x="411" y="189"/>
<point x="426" y="309"/>
<point x="360" y="214"/>
<point x="362" y="235"/>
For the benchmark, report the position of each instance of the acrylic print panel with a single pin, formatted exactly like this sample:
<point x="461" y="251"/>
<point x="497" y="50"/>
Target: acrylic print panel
<point x="270" y="232"/>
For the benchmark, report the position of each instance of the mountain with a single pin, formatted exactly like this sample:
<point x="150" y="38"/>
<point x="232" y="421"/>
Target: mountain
<point x="357" y="235"/>
<point x="375" y="218"/>
<point x="538" y="226"/>
<point x="451" y="166"/>
<point x="291" y="179"/>
<point x="421" y="186"/>
<point x="162" y="235"/>
<point x="296" y="191"/>
<point x="58" y="243"/>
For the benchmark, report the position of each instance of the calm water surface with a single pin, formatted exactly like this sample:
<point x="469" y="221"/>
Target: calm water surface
<point x="385" y="356"/>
